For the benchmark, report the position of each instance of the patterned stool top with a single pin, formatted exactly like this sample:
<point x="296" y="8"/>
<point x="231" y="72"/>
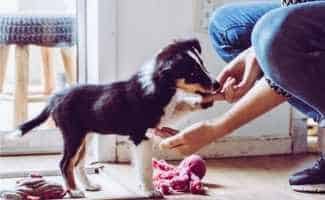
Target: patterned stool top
<point x="43" y="30"/>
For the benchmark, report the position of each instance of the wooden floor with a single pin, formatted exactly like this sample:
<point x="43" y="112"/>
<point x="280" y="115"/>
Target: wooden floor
<point x="239" y="178"/>
<point x="258" y="178"/>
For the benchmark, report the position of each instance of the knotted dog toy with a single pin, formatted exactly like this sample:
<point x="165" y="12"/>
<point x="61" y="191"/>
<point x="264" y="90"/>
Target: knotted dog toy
<point x="34" y="187"/>
<point x="186" y="177"/>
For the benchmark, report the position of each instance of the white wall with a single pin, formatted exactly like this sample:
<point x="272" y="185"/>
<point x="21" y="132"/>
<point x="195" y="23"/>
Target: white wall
<point x="144" y="26"/>
<point x="8" y="5"/>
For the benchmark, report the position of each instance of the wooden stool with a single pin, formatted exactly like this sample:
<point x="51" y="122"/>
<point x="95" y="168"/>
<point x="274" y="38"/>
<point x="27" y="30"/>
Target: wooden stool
<point x="46" y="31"/>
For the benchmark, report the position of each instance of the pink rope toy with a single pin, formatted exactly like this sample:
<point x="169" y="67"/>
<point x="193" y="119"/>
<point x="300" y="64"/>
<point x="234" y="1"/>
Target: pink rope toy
<point x="186" y="177"/>
<point x="34" y="187"/>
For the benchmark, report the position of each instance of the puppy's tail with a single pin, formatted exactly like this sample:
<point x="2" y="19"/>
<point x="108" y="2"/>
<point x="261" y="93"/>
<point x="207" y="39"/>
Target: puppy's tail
<point x="29" y="125"/>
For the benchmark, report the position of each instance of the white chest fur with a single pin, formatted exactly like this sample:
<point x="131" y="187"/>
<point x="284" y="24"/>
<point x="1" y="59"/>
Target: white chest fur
<point x="180" y="104"/>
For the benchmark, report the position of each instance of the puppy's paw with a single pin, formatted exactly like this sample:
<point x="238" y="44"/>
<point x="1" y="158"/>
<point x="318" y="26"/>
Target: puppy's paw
<point x="93" y="187"/>
<point x="153" y="194"/>
<point x="77" y="194"/>
<point x="149" y="191"/>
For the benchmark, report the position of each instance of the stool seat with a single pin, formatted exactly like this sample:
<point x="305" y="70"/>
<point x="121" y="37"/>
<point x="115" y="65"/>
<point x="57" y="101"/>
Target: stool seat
<point x="42" y="30"/>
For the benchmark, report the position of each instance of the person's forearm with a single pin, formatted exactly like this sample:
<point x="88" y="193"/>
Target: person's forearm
<point x="259" y="100"/>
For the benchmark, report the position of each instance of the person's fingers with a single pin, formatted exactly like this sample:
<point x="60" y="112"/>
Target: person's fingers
<point x="231" y="69"/>
<point x="240" y="90"/>
<point x="249" y="77"/>
<point x="222" y="76"/>
<point x="250" y="73"/>
<point x="225" y="85"/>
<point x="228" y="89"/>
<point x="171" y="142"/>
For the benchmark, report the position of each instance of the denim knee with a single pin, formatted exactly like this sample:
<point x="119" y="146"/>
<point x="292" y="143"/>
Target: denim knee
<point x="267" y="44"/>
<point x="228" y="38"/>
<point x="274" y="46"/>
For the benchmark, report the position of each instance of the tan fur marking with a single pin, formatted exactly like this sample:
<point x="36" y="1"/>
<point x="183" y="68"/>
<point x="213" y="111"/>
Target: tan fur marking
<point x="189" y="87"/>
<point x="71" y="182"/>
<point x="81" y="153"/>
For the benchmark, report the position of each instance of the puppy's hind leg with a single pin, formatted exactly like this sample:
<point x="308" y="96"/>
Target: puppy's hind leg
<point x="68" y="162"/>
<point x="142" y="160"/>
<point x="80" y="168"/>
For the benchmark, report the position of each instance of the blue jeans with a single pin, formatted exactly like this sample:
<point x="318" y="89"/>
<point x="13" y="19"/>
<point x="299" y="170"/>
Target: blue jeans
<point x="289" y="45"/>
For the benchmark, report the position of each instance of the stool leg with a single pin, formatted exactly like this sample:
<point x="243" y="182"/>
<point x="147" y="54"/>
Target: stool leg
<point x="4" y="49"/>
<point x="21" y="87"/>
<point x="69" y="65"/>
<point x="48" y="74"/>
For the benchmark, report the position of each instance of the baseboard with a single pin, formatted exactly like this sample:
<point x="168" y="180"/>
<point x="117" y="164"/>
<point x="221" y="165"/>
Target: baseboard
<point x="227" y="147"/>
<point x="30" y="151"/>
<point x="38" y="141"/>
<point x="235" y="146"/>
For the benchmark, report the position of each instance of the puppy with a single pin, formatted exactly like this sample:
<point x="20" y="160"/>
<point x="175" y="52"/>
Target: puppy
<point x="149" y="99"/>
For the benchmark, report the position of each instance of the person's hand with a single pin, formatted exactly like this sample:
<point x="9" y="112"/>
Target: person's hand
<point x="239" y="76"/>
<point x="190" y="139"/>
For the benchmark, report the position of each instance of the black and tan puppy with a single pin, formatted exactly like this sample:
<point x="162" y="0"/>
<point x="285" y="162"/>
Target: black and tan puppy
<point x="148" y="99"/>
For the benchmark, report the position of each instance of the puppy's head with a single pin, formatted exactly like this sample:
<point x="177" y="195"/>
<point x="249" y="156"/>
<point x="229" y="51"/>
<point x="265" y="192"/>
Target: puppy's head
<point x="181" y="63"/>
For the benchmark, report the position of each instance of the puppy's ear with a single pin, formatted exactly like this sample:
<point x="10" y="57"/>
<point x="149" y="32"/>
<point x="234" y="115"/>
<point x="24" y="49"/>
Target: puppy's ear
<point x="179" y="46"/>
<point x="188" y="44"/>
<point x="195" y="44"/>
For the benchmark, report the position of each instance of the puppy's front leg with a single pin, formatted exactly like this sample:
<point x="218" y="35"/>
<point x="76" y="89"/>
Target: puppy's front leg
<point x="142" y="160"/>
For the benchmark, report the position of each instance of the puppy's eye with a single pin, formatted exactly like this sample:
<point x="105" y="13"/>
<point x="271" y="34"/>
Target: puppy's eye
<point x="192" y="74"/>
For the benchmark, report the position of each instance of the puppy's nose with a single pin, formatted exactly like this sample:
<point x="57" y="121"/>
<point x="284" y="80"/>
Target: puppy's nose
<point x="216" y="85"/>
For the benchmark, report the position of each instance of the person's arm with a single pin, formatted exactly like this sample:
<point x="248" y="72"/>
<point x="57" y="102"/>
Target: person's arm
<point x="259" y="100"/>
